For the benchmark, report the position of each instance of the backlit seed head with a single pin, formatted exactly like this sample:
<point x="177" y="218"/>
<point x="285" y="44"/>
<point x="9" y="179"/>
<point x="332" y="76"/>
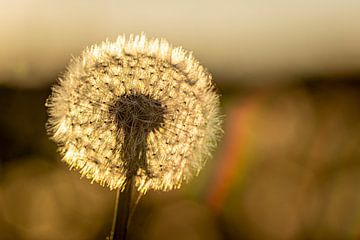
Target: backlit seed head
<point x="135" y="107"/>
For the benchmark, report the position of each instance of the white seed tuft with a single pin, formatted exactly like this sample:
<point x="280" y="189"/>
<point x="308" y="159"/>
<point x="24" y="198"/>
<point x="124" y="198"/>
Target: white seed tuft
<point x="83" y="123"/>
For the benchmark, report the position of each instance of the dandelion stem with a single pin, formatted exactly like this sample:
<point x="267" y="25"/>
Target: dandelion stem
<point x="122" y="210"/>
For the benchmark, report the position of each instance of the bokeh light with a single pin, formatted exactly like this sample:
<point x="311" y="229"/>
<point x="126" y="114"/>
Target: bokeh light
<point x="288" y="166"/>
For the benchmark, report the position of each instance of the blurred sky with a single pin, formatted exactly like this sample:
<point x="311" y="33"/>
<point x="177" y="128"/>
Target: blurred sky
<point x="244" y="40"/>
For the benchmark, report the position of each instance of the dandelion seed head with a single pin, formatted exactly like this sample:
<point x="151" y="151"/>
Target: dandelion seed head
<point x="135" y="98"/>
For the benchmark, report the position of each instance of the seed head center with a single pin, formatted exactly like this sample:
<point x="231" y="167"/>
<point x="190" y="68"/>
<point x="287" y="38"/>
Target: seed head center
<point x="137" y="112"/>
<point x="136" y="115"/>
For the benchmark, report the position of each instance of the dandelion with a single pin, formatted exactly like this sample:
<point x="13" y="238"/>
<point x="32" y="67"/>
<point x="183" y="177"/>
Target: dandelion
<point x="137" y="109"/>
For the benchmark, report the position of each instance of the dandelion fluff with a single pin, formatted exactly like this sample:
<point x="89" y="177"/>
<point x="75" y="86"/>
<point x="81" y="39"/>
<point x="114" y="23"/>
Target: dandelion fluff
<point x="135" y="107"/>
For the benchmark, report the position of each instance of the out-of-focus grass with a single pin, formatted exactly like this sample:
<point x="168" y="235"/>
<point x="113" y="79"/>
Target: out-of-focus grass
<point x="294" y="172"/>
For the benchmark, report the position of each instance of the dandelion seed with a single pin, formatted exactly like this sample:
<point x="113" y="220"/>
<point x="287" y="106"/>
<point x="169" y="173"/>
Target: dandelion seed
<point x="135" y="107"/>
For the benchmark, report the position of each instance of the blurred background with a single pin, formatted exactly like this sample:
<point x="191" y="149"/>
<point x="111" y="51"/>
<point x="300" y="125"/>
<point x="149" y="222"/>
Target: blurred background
<point x="288" y="166"/>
